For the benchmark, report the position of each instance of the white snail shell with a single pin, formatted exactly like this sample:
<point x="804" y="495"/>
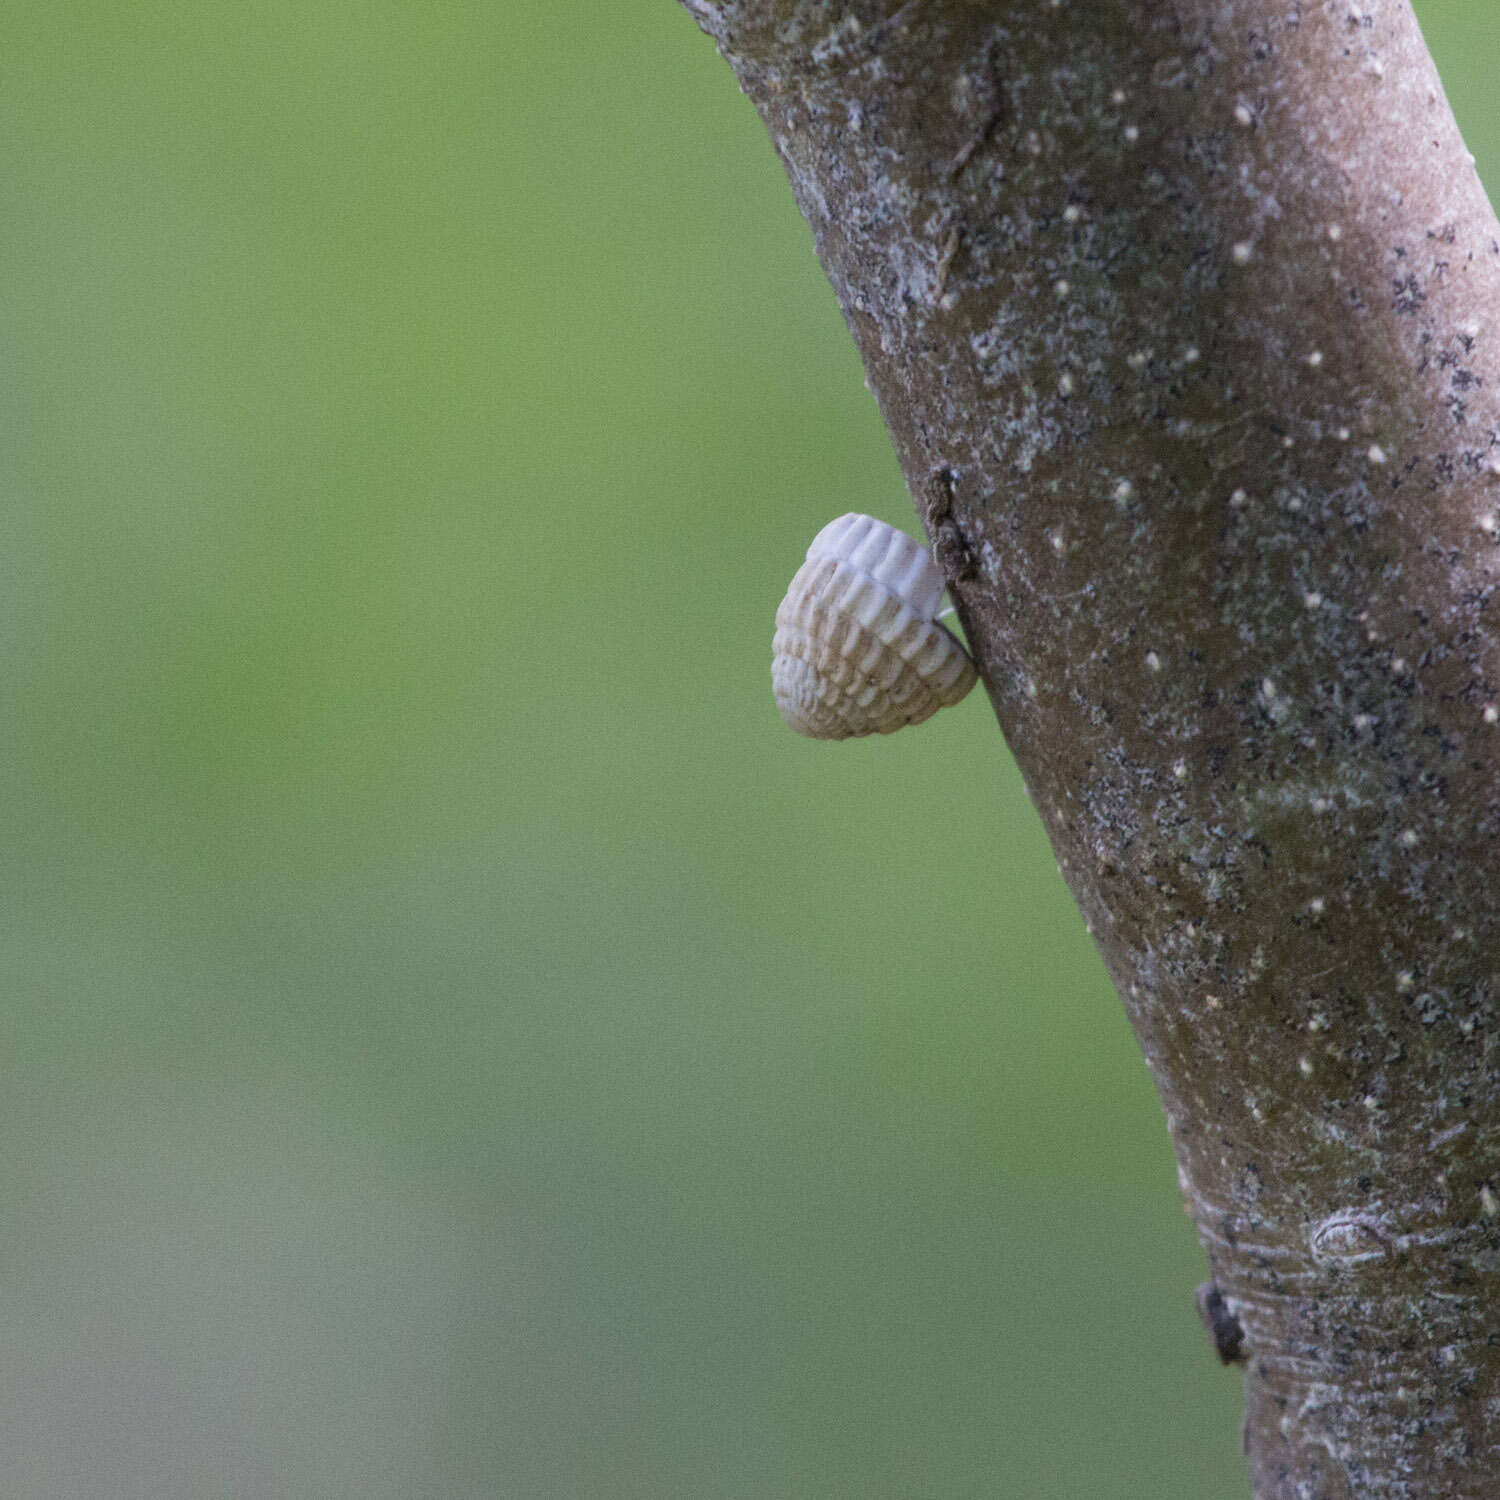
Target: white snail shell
<point x="857" y="647"/>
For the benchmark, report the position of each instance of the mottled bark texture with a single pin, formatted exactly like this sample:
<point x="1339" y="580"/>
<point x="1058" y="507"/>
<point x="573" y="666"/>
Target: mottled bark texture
<point x="1184" y="316"/>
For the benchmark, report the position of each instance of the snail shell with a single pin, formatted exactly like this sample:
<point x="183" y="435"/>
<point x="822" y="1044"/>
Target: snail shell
<point x="857" y="650"/>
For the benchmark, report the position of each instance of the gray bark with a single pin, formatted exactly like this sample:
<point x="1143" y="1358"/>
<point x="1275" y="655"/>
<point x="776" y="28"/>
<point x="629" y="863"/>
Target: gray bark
<point x="1184" y="317"/>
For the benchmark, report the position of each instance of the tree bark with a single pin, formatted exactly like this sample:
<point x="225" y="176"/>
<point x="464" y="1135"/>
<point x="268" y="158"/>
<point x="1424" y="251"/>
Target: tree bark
<point x="1182" y="315"/>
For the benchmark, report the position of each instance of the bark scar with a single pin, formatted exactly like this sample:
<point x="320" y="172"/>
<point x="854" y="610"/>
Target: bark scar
<point x="991" y="89"/>
<point x="951" y="243"/>
<point x="897" y="18"/>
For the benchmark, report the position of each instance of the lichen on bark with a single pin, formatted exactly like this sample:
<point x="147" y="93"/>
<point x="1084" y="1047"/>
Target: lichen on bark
<point x="1185" y="322"/>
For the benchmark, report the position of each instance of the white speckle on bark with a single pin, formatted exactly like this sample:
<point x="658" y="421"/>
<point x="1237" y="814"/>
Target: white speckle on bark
<point x="1153" y="661"/>
<point x="1376" y="454"/>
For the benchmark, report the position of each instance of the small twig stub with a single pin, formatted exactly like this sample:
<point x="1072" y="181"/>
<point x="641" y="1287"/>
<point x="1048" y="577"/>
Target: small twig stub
<point x="1224" y="1329"/>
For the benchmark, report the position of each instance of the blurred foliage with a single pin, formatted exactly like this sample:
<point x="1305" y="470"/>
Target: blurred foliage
<point x="458" y="1043"/>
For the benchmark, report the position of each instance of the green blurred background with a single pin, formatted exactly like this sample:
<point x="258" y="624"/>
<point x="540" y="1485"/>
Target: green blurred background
<point x="457" y="1042"/>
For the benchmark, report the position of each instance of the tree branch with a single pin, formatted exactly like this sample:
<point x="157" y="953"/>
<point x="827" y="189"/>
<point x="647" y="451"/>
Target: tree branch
<point x="1181" y="314"/>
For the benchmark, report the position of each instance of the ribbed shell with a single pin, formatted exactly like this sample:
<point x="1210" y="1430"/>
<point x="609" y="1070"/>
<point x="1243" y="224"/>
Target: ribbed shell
<point x="857" y="650"/>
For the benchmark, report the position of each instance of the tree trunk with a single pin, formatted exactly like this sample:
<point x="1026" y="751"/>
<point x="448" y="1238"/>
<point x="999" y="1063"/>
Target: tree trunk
<point x="1184" y="316"/>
